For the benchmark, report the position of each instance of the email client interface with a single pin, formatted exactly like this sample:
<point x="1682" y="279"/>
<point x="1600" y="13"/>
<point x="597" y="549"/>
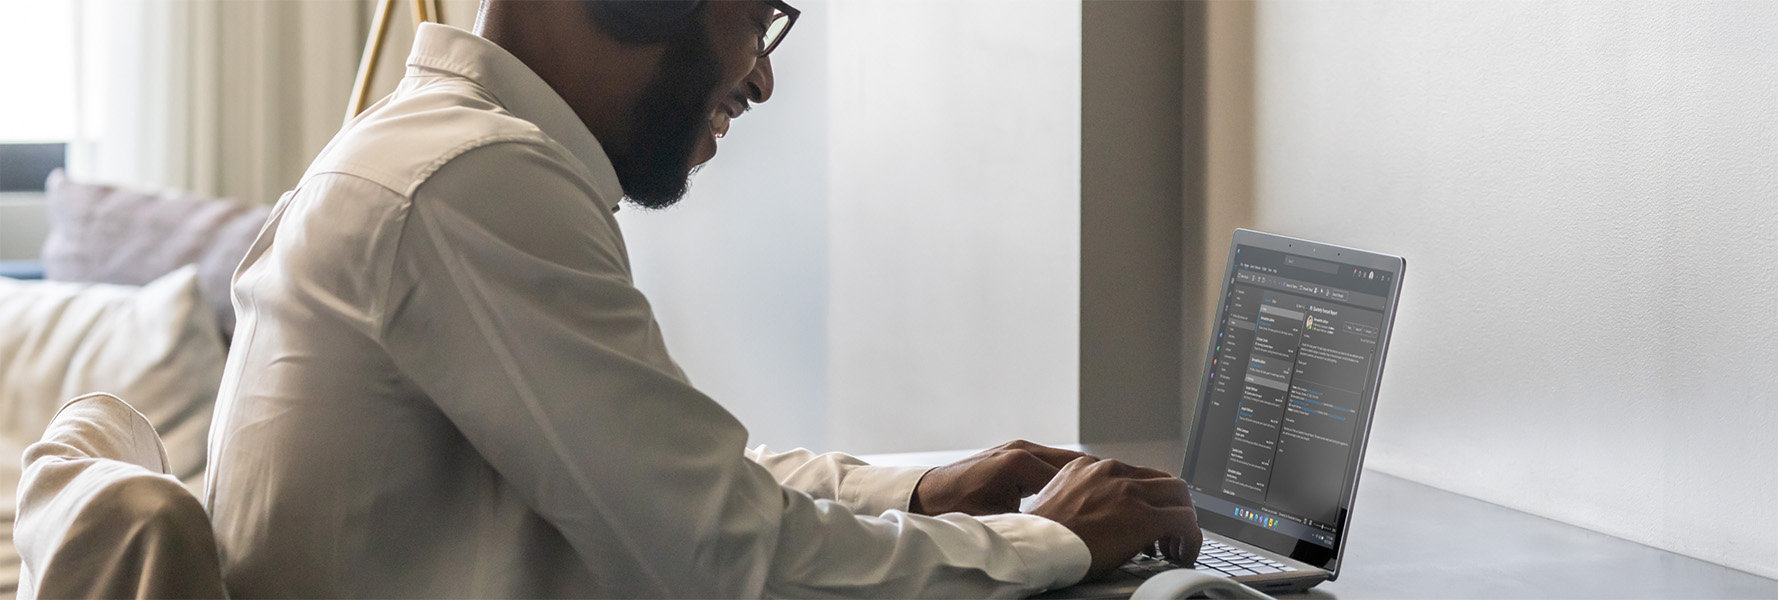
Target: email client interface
<point x="1287" y="398"/>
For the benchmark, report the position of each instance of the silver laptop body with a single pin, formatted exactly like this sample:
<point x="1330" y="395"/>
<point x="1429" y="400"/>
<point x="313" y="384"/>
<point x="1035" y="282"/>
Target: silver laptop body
<point x="1277" y="437"/>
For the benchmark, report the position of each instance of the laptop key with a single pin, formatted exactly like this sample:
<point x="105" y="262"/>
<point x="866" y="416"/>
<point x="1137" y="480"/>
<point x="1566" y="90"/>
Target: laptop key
<point x="1262" y="569"/>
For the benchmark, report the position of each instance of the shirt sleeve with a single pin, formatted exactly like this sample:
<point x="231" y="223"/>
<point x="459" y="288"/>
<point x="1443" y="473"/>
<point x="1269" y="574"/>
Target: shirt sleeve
<point x="864" y="488"/>
<point x="511" y="307"/>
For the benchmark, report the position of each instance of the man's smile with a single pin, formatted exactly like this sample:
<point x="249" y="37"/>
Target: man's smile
<point x="725" y="112"/>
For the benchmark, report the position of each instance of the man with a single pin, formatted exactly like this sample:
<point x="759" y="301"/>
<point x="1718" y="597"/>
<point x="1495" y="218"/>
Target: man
<point x="445" y="384"/>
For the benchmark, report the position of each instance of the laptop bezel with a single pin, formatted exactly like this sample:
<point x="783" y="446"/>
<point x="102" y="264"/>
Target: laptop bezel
<point x="1229" y="527"/>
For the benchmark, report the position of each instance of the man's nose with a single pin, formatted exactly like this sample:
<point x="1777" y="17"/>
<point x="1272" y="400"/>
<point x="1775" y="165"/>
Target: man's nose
<point x="759" y="82"/>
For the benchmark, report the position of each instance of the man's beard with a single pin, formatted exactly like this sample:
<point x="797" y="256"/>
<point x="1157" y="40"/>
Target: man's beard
<point x="672" y="117"/>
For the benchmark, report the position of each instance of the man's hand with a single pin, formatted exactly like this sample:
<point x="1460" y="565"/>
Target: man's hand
<point x="1118" y="510"/>
<point x="992" y="482"/>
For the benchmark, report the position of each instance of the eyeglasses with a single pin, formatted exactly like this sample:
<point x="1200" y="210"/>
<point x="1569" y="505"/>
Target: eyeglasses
<point x="783" y="16"/>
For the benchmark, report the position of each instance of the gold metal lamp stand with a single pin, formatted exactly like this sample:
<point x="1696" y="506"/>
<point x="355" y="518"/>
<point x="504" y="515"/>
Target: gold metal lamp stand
<point x="425" y="11"/>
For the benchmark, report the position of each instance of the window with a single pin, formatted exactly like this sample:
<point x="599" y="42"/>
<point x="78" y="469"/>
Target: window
<point x="38" y="75"/>
<point x="37" y="109"/>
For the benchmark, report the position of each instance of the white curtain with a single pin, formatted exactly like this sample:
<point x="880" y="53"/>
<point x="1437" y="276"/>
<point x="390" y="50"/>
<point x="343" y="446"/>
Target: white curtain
<point x="223" y="97"/>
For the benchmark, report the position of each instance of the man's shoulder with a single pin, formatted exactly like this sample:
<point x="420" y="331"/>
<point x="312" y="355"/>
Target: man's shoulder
<point x="407" y="137"/>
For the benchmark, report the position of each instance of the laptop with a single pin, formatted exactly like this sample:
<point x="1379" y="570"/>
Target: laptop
<point x="1283" y="413"/>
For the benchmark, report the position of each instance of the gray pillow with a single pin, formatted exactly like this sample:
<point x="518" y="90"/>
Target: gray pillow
<point x="105" y="234"/>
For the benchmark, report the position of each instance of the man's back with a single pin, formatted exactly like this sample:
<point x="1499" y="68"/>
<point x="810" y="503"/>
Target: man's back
<point x="333" y="474"/>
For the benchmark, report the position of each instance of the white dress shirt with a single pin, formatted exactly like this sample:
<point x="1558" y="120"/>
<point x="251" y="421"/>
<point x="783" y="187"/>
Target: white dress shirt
<point x="445" y="383"/>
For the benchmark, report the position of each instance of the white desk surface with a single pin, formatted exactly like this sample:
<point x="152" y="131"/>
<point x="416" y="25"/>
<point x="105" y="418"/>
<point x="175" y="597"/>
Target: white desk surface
<point x="1409" y="540"/>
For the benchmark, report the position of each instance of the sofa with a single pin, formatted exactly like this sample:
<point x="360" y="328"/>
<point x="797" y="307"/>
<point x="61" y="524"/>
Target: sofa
<point x="131" y="298"/>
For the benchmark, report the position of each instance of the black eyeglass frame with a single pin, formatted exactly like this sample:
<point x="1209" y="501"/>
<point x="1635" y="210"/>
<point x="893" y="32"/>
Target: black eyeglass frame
<point x="790" y="13"/>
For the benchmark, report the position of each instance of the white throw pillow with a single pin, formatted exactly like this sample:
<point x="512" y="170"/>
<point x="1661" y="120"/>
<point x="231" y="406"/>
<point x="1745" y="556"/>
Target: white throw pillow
<point x="156" y="346"/>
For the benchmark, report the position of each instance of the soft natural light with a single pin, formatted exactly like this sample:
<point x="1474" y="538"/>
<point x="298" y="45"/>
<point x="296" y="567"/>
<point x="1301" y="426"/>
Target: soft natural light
<point x="37" y="97"/>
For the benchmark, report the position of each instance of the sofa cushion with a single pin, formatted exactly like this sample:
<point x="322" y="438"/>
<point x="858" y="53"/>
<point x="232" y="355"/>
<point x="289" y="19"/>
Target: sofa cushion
<point x="157" y="345"/>
<point x="105" y="234"/>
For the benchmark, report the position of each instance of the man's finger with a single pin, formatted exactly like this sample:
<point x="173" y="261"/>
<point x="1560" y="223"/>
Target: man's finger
<point x="1178" y="522"/>
<point x="1162" y="493"/>
<point x="1177" y="534"/>
<point x="1056" y="457"/>
<point x="1029" y="472"/>
<point x="1118" y="468"/>
<point x="1181" y="550"/>
<point x="1085" y="460"/>
<point x="1138" y="472"/>
<point x="1080" y="464"/>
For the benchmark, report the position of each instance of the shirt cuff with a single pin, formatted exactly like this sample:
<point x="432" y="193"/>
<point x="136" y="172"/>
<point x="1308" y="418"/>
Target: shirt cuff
<point x="872" y="490"/>
<point x="1054" y="557"/>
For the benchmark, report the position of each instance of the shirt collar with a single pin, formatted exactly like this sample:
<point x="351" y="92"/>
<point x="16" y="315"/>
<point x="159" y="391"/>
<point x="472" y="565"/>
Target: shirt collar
<point x="518" y="89"/>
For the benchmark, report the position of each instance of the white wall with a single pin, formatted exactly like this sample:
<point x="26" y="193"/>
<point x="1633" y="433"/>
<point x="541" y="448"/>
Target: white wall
<point x="737" y="271"/>
<point x="884" y="257"/>
<point x="1585" y="192"/>
<point x="955" y="224"/>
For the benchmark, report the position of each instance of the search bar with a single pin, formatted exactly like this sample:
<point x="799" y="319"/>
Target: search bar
<point x="1311" y="264"/>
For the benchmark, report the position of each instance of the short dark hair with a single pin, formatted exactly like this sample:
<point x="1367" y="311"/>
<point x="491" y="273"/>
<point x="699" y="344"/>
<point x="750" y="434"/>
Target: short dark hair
<point x="643" y="21"/>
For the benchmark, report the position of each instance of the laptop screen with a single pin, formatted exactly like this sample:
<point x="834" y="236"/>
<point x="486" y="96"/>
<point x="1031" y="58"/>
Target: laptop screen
<point x="1280" y="424"/>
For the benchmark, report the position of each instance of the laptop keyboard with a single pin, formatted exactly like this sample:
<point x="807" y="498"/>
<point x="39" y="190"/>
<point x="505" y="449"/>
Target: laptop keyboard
<point x="1213" y="557"/>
